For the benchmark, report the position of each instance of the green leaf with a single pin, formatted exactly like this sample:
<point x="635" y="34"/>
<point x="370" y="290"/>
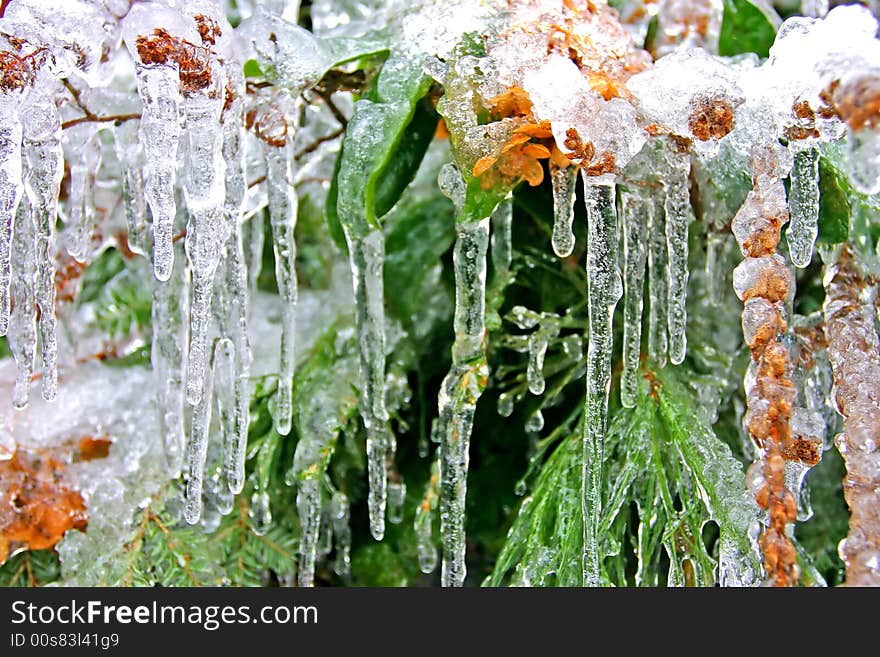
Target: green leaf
<point x="403" y="165"/>
<point x="746" y="28"/>
<point x="382" y="147"/>
<point x="417" y="238"/>
<point x="252" y="69"/>
<point x="834" y="205"/>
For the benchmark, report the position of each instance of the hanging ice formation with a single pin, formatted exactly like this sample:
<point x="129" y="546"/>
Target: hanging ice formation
<point x="638" y="134"/>
<point x="854" y="352"/>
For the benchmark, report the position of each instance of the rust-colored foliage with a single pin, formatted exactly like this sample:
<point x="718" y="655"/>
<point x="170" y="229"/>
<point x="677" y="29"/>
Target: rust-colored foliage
<point x="268" y="123"/>
<point x="711" y="119"/>
<point x="856" y="102"/>
<point x="36" y="505"/>
<point x="93" y="447"/>
<point x="193" y="61"/>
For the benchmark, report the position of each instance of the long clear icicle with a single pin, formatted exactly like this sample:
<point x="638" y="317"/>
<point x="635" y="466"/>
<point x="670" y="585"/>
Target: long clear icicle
<point x="564" y="191"/>
<point x="502" y="236"/>
<point x="678" y="215"/>
<point x="234" y="319"/>
<point x="367" y="256"/>
<point x="158" y="88"/>
<point x="84" y="162"/>
<point x="45" y="160"/>
<point x="604" y="289"/>
<point x="308" y="506"/>
<point x="129" y="152"/>
<point x="170" y="318"/>
<point x="207" y="229"/>
<point x="460" y="391"/>
<point x="22" y="333"/>
<point x="224" y="397"/>
<point x="803" y="206"/>
<point x="197" y="447"/>
<point x="282" y="215"/>
<point x="636" y="212"/>
<point x="657" y="285"/>
<point x="11" y="190"/>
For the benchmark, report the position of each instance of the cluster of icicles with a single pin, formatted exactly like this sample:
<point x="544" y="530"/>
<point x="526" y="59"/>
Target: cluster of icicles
<point x="193" y="110"/>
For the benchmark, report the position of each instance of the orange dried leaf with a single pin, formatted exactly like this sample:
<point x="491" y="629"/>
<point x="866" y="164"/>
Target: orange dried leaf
<point x="536" y="151"/>
<point x="483" y="165"/>
<point x="533" y="172"/>
<point x="537" y="130"/>
<point x="515" y="140"/>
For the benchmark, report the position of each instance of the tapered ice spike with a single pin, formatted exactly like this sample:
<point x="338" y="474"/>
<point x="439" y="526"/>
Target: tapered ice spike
<point x="168" y="355"/>
<point x="460" y="391"/>
<point x="159" y="133"/>
<point x="84" y="162"/>
<point x="678" y="217"/>
<point x="366" y="257"/>
<point x="207" y="228"/>
<point x="803" y="206"/>
<point x="657" y="287"/>
<point x="603" y="292"/>
<point x="282" y="215"/>
<point x="636" y="212"/>
<point x="197" y="446"/>
<point x="564" y="182"/>
<point x="45" y="168"/>
<point x="11" y="191"/>
<point x="22" y="334"/>
<point x="308" y="506"/>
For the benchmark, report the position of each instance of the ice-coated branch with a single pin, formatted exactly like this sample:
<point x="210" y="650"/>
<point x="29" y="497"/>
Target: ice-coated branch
<point x="854" y="351"/>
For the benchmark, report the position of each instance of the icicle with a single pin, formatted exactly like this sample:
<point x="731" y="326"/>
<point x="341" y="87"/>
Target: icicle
<point x="168" y="353"/>
<point x="657" y="286"/>
<point x="396" y="500"/>
<point x="367" y="255"/>
<point x="461" y="389"/>
<point x="501" y="240"/>
<point x="254" y="237"/>
<point x="282" y="215"/>
<point x="678" y="214"/>
<point x="424" y="522"/>
<point x="803" y="204"/>
<point x="234" y="322"/>
<point x="207" y="229"/>
<point x="42" y="145"/>
<point x="129" y="152"/>
<point x="197" y="448"/>
<point x="84" y="162"/>
<point x="308" y="506"/>
<point x="11" y="189"/>
<point x="564" y="191"/>
<point x="225" y="381"/>
<point x="159" y="133"/>
<point x="340" y="514"/>
<point x="603" y="290"/>
<point x="538" y="342"/>
<point x="636" y="213"/>
<point x="715" y="273"/>
<point x="22" y="335"/>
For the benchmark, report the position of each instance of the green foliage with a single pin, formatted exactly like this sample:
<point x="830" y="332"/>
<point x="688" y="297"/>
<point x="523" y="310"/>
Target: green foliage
<point x="30" y="568"/>
<point x="746" y="28"/>
<point x="120" y="292"/>
<point x="666" y="476"/>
